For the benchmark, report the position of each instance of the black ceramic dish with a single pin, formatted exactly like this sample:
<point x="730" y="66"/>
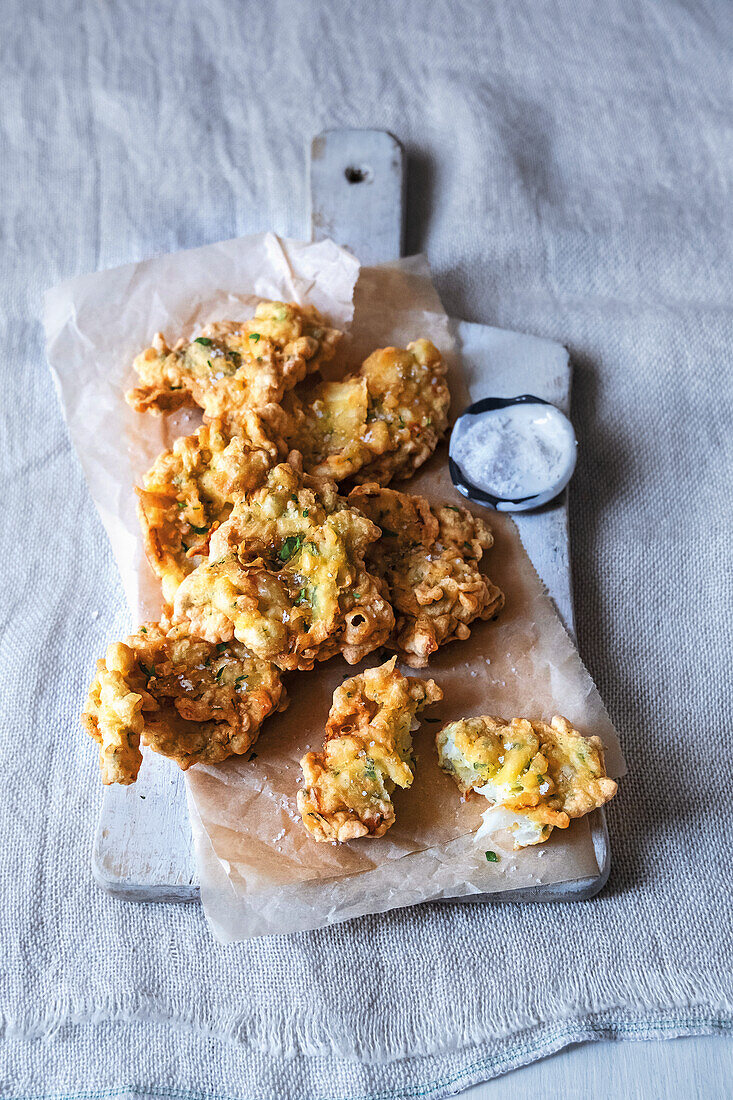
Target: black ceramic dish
<point x="509" y="504"/>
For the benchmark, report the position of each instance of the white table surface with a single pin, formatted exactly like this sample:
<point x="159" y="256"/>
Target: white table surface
<point x="696" y="1069"/>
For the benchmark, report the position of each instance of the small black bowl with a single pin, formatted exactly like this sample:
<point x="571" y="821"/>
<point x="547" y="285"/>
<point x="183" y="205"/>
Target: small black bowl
<point x="506" y="504"/>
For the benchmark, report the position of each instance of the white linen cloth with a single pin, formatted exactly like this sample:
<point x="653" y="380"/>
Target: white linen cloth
<point x="570" y="177"/>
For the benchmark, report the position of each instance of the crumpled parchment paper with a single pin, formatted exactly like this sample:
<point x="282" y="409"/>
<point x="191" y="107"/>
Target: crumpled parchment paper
<point x="96" y="325"/>
<point x="259" y="871"/>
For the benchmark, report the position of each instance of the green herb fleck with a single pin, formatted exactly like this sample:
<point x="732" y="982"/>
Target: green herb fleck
<point x="143" y="630"/>
<point x="199" y="530"/>
<point x="203" y="340"/>
<point x="492" y="857"/>
<point x="149" y="672"/>
<point x="290" y="547"/>
<point x="453" y="508"/>
<point x="305" y="513"/>
<point x="254" y="336"/>
<point x="302" y="597"/>
<point x="221" y="646"/>
<point x="219" y="673"/>
<point x="369" y="770"/>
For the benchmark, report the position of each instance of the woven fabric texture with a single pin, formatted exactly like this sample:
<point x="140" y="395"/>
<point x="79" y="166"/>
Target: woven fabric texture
<point x="569" y="176"/>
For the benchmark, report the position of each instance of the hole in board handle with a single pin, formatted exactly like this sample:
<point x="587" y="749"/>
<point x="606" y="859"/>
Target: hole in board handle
<point x="358" y="175"/>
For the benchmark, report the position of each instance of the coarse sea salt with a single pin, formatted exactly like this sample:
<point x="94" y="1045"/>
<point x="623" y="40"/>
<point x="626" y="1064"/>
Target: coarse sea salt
<point x="519" y="452"/>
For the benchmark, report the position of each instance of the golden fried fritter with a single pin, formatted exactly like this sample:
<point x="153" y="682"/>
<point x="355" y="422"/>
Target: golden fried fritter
<point x="428" y="556"/>
<point x="190" y="700"/>
<point x="231" y="367"/>
<point x="286" y="577"/>
<point x="536" y="776"/>
<point x="380" y="423"/>
<point x="113" y="716"/>
<point x="366" y="753"/>
<point x="189" y="491"/>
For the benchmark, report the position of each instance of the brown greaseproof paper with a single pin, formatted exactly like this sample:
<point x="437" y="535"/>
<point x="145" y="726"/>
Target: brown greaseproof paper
<point x="258" y="869"/>
<point x="262" y="872"/>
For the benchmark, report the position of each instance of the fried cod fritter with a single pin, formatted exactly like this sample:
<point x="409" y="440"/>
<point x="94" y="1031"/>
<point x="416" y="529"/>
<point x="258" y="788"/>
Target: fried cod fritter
<point x="189" y="491"/>
<point x="233" y="368"/>
<point x="186" y="698"/>
<point x="428" y="557"/>
<point x="113" y="716"/>
<point x="536" y="776"/>
<point x="378" y="424"/>
<point x="286" y="577"/>
<point x="367" y="753"/>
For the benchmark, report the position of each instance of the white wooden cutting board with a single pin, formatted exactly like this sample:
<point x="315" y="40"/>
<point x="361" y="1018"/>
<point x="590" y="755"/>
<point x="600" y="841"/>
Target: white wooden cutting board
<point x="142" y="848"/>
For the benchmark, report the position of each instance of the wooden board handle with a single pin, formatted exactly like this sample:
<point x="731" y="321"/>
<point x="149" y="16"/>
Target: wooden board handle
<point x="357" y="186"/>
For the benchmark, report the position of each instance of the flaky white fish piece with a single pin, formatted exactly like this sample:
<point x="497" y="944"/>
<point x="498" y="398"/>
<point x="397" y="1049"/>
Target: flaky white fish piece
<point x="536" y="776"/>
